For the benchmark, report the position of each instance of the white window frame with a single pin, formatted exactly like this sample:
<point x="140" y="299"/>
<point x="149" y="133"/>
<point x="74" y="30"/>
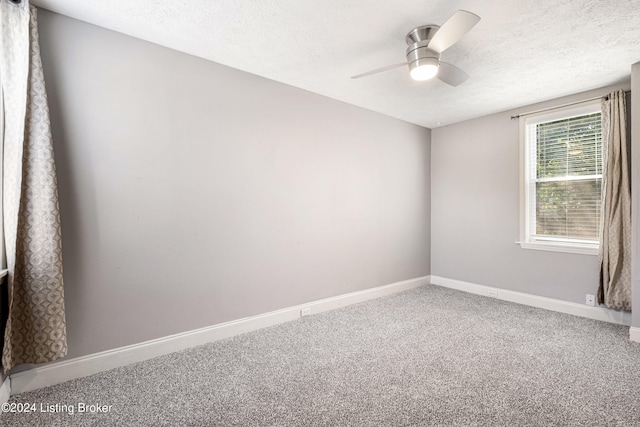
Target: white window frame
<point x="527" y="240"/>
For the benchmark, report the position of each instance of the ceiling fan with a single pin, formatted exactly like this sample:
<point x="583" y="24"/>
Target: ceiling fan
<point x="427" y="42"/>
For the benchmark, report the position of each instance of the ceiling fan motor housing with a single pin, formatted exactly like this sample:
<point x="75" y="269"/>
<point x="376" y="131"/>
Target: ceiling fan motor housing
<point x="418" y="52"/>
<point x="421" y="33"/>
<point x="419" y="55"/>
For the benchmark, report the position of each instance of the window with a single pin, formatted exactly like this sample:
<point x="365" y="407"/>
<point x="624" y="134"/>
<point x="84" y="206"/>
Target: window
<point x="561" y="179"/>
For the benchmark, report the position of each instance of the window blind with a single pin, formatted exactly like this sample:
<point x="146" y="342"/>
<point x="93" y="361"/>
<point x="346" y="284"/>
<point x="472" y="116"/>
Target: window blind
<point x="567" y="177"/>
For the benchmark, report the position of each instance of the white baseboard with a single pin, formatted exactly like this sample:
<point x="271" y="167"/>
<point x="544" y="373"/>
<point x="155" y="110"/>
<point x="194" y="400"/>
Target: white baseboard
<point x="634" y="334"/>
<point x="67" y="370"/>
<point x="596" y="313"/>
<point x="5" y="390"/>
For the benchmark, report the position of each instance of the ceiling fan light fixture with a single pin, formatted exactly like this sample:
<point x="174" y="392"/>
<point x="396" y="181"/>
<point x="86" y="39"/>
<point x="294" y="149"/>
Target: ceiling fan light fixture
<point x="424" y="69"/>
<point x="425" y="45"/>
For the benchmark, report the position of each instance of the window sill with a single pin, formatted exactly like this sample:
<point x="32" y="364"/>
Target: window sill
<point x="560" y="247"/>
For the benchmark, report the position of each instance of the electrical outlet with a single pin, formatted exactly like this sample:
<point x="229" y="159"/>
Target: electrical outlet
<point x="591" y="300"/>
<point x="305" y="311"/>
<point x="493" y="294"/>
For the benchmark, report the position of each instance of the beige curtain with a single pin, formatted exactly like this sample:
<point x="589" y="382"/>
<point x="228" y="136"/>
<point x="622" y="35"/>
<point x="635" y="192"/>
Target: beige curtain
<point x="615" y="235"/>
<point x="35" y="331"/>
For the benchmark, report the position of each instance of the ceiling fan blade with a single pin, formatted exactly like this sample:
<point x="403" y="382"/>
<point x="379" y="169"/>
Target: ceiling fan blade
<point x="378" y="70"/>
<point x="453" y="30"/>
<point x="451" y="75"/>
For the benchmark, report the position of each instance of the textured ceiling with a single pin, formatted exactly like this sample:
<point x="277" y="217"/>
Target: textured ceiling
<point x="521" y="52"/>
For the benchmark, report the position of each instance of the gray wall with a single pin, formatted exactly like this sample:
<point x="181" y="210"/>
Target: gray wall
<point x="475" y="212"/>
<point x="193" y="194"/>
<point x="635" y="192"/>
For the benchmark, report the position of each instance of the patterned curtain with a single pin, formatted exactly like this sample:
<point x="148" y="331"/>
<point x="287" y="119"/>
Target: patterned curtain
<point x="36" y="330"/>
<point x="615" y="235"/>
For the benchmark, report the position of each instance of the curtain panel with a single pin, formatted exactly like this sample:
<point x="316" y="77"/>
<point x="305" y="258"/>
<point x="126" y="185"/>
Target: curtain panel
<point x="35" y="330"/>
<point x="615" y="233"/>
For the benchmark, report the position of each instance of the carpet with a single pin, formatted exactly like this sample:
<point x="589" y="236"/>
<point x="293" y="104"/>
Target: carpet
<point x="430" y="356"/>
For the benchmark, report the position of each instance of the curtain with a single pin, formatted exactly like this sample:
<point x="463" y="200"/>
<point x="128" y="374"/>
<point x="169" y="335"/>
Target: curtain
<point x="615" y="235"/>
<point x="35" y="330"/>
